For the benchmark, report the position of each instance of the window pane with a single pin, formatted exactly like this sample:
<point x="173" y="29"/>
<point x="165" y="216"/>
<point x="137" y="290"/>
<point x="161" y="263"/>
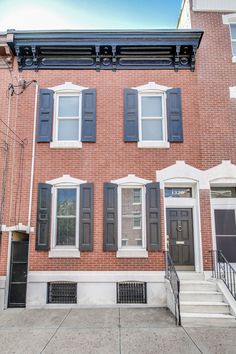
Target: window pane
<point x="225" y="222"/>
<point x="137" y="196"/>
<point x="137" y="222"/>
<point x="223" y="192"/>
<point x="66" y="202"/>
<point x="131" y="219"/>
<point x="68" y="129"/>
<point x="68" y="106"/>
<point x="234" y="47"/>
<point x="178" y="192"/>
<point x="151" y="106"/>
<point x="152" y="129"/>
<point x="233" y="31"/>
<point x="66" y="231"/>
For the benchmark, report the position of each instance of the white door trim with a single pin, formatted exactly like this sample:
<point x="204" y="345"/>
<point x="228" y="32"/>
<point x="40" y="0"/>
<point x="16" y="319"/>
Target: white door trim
<point x="192" y="203"/>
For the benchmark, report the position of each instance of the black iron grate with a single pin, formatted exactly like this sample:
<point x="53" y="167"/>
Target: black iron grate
<point x="132" y="293"/>
<point x="62" y="293"/>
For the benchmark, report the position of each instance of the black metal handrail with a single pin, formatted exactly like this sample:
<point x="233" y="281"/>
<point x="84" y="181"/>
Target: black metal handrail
<point x="173" y="278"/>
<point x="222" y="269"/>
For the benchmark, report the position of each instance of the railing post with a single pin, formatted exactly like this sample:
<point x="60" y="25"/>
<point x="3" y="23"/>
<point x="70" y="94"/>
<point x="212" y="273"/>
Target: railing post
<point x="225" y="272"/>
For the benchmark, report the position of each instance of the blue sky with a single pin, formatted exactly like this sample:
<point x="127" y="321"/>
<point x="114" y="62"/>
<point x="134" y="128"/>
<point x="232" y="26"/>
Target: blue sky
<point x="88" y="14"/>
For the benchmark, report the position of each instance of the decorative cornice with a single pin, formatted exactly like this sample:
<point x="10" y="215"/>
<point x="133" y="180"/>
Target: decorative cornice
<point x="131" y="180"/>
<point x="68" y="86"/>
<point x="106" y="50"/>
<point x="151" y="86"/>
<point x="65" y="180"/>
<point x="224" y="173"/>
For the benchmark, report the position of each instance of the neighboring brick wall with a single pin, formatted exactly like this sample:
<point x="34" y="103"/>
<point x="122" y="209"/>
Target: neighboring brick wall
<point x="209" y="136"/>
<point x="215" y="74"/>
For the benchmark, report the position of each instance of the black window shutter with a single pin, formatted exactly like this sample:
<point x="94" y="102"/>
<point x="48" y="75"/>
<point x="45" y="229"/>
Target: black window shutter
<point x="88" y="115"/>
<point x="86" y="217"/>
<point x="130" y="115"/>
<point x="110" y="217"/>
<point x="45" y="116"/>
<point x="174" y="116"/>
<point x="153" y="216"/>
<point x="43" y="217"/>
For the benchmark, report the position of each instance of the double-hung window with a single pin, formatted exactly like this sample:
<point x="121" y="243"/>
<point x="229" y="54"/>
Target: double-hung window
<point x="68" y="117"/>
<point x="152" y="118"/>
<point x="132" y="217"/>
<point x="66" y="217"/>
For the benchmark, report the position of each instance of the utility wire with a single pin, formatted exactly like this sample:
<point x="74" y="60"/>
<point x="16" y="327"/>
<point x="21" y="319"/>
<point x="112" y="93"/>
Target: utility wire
<point x="19" y="142"/>
<point x="12" y="130"/>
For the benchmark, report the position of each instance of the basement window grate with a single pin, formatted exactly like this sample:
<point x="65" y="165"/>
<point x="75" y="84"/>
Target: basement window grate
<point x="62" y="293"/>
<point x="131" y="292"/>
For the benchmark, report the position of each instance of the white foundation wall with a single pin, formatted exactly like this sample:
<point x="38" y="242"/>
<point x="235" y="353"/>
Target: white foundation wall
<point x="2" y="292"/>
<point x="95" y="288"/>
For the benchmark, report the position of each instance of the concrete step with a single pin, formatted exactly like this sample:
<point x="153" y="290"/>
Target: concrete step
<point x="205" y="296"/>
<point x="197" y="285"/>
<point x="205" y="319"/>
<point x="190" y="275"/>
<point x="204" y="307"/>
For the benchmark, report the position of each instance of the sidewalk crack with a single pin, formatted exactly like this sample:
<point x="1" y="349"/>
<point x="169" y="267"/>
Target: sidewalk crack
<point x="53" y="335"/>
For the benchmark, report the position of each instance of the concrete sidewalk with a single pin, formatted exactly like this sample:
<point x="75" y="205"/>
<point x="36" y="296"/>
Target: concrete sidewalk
<point x="107" y="331"/>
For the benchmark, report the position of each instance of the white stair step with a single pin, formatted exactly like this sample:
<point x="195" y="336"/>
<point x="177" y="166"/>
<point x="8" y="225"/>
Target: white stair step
<point x="206" y="296"/>
<point x="204" y="307"/>
<point x="190" y="275"/>
<point x="205" y="319"/>
<point x="198" y="285"/>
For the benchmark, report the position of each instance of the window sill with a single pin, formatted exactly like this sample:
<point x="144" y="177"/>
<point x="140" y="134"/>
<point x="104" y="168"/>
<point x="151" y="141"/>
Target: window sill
<point x="234" y="59"/>
<point x="56" y="253"/>
<point x="66" y="144"/>
<point x="132" y="254"/>
<point x="154" y="144"/>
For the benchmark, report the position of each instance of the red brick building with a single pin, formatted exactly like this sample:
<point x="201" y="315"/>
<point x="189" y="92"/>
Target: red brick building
<point x="122" y="144"/>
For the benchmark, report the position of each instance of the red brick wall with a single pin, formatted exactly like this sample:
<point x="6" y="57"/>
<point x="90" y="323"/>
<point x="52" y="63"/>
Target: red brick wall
<point x="215" y="74"/>
<point x="209" y="136"/>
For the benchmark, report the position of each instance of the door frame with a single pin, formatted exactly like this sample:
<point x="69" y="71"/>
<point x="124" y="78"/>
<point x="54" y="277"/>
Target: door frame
<point x="191" y="203"/>
<point x="8" y="276"/>
<point x="216" y="204"/>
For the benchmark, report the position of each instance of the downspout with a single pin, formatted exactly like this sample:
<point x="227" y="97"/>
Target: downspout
<point x="33" y="156"/>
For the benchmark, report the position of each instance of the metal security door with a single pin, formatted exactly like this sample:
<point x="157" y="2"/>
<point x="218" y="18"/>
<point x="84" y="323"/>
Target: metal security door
<point x="18" y="274"/>
<point x="180" y="231"/>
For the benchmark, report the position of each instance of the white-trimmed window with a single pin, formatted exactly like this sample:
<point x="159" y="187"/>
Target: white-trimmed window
<point x="132" y="217"/>
<point x="152" y="117"/>
<point x="230" y="20"/>
<point x="67" y="120"/>
<point x="233" y="38"/>
<point x="65" y="216"/>
<point x="68" y="117"/>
